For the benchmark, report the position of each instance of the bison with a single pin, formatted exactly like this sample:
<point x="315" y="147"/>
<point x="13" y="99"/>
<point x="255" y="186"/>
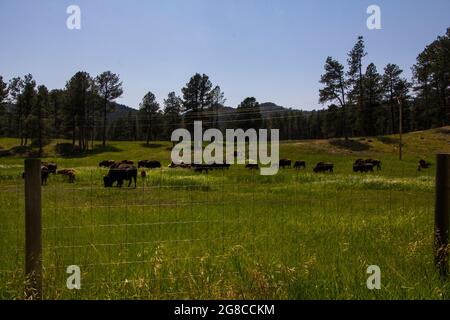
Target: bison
<point x="69" y="173"/>
<point x="300" y="164"/>
<point x="106" y="163"/>
<point x="323" y="167"/>
<point x="120" y="173"/>
<point x="150" y="164"/>
<point x="285" y="163"/>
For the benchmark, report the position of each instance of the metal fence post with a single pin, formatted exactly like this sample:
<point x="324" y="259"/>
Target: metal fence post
<point x="442" y="213"/>
<point x="33" y="242"/>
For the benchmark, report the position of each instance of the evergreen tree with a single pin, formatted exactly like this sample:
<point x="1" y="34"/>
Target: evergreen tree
<point x="148" y="110"/>
<point x="109" y="88"/>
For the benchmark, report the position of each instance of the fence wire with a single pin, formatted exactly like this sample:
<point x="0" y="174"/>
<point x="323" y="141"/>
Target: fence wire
<point x="225" y="234"/>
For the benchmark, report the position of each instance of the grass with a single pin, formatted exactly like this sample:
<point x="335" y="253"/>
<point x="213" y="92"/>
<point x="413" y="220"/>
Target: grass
<point x="233" y="233"/>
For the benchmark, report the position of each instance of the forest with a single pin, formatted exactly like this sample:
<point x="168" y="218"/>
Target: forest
<point x="358" y="100"/>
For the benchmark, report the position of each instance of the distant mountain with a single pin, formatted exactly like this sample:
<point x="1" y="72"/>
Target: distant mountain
<point x="121" y="110"/>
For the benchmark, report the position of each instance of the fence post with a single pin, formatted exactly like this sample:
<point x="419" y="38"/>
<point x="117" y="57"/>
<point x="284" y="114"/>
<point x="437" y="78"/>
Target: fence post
<point x="33" y="244"/>
<point x="442" y="213"/>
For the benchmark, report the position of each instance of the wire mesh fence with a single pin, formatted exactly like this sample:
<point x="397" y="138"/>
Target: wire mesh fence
<point x="225" y="234"/>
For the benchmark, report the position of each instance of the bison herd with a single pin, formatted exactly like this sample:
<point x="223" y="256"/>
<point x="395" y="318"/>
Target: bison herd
<point x="125" y="170"/>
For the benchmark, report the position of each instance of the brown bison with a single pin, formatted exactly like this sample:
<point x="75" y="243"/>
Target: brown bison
<point x="323" y="167"/>
<point x="423" y="165"/>
<point x="120" y="173"/>
<point x="69" y="173"/>
<point x="300" y="164"/>
<point x="150" y="164"/>
<point x="285" y="163"/>
<point x="106" y="163"/>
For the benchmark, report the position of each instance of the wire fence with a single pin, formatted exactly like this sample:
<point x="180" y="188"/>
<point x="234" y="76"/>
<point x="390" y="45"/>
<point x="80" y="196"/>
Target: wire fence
<point x="225" y="234"/>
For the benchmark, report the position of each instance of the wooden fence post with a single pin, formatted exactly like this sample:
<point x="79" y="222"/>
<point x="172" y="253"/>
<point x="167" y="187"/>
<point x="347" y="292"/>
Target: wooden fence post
<point x="33" y="242"/>
<point x="442" y="213"/>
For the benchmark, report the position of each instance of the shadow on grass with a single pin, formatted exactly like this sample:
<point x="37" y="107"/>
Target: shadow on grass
<point x="67" y="150"/>
<point x="350" y="144"/>
<point x="389" y="140"/>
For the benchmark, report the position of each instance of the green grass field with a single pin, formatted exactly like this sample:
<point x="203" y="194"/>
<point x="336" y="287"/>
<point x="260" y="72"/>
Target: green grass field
<point x="232" y="234"/>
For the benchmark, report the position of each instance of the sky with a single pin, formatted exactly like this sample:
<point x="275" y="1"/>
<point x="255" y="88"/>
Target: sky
<point x="272" y="50"/>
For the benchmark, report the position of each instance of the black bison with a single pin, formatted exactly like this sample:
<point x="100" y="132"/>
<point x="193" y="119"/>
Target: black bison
<point x="69" y="173"/>
<point x="363" y="167"/>
<point x="300" y="164"/>
<point x="106" y="163"/>
<point x="252" y="166"/>
<point x="285" y="163"/>
<point x="423" y="165"/>
<point x="120" y="173"/>
<point x="323" y="167"/>
<point x="51" y="166"/>
<point x="150" y="164"/>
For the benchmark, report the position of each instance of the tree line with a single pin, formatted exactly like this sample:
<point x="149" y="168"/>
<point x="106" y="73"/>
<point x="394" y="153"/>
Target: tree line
<point x="360" y="102"/>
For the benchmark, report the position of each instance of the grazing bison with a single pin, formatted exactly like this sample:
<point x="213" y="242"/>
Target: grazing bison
<point x="423" y="165"/>
<point x="300" y="164"/>
<point x="69" y="173"/>
<point x="375" y="162"/>
<point x="323" y="167"/>
<point x="51" y="166"/>
<point x="120" y="173"/>
<point x="363" y="167"/>
<point x="150" y="164"/>
<point x="285" y="163"/>
<point x="106" y="163"/>
<point x="252" y="166"/>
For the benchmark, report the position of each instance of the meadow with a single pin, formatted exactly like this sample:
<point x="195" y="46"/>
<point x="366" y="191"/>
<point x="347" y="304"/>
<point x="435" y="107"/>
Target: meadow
<point x="232" y="234"/>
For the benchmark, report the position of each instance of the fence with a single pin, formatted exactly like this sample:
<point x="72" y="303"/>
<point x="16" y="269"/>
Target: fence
<point x="225" y="234"/>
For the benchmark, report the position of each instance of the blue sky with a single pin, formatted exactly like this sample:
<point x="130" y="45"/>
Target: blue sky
<point x="272" y="50"/>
